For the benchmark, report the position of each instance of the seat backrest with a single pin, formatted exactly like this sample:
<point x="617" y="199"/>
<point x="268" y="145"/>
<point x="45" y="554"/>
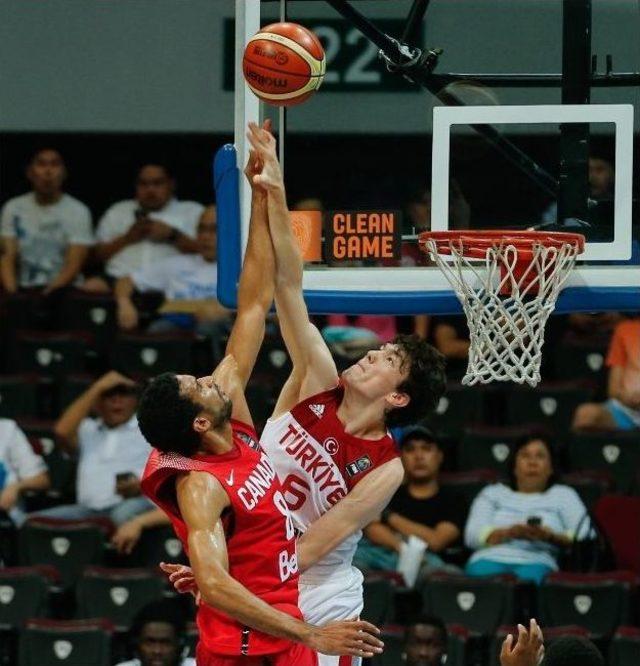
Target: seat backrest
<point x="146" y="355"/>
<point x="488" y="448"/>
<point x="68" y="643"/>
<point x="478" y="604"/>
<point x="18" y="396"/>
<point x="157" y="544"/>
<point x="459" y="406"/>
<point x="598" y="602"/>
<point x="619" y="518"/>
<point x="24" y="593"/>
<point x="117" y="594"/>
<point x="625" y="647"/>
<point x="378" y="600"/>
<point x="66" y="544"/>
<point x="51" y="354"/>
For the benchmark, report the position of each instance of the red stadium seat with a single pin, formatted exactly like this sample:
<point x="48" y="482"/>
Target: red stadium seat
<point x="619" y="518"/>
<point x="625" y="647"/>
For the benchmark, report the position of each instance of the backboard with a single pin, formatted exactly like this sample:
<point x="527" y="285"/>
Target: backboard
<point x="521" y="121"/>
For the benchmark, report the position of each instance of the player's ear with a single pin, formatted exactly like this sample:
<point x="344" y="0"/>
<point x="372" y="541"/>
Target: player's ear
<point x="397" y="399"/>
<point x="201" y="424"/>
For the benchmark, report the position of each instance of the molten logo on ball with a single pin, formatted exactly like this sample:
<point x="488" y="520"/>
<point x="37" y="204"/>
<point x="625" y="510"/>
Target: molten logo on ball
<point x="284" y="64"/>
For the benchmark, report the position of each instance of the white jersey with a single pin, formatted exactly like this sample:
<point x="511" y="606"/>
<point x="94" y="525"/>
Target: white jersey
<point x="318" y="463"/>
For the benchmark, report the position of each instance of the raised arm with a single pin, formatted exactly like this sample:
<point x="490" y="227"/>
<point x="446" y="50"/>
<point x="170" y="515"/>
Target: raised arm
<point x="255" y="291"/>
<point x="353" y="512"/>
<point x="310" y="355"/>
<point x="202" y="499"/>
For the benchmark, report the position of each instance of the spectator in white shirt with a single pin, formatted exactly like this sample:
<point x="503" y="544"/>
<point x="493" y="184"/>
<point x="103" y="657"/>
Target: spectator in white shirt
<point x="137" y="233"/>
<point x="188" y="282"/>
<point x="112" y="454"/>
<point x="46" y="234"/>
<point x="21" y="469"/>
<point x="159" y="632"/>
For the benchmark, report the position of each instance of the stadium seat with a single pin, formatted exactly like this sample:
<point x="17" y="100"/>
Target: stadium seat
<point x="147" y="355"/>
<point x="619" y="518"/>
<point x="68" y="545"/>
<point x="459" y="406"/>
<point x="598" y="602"/>
<point x="551" y="405"/>
<point x="478" y="604"/>
<point x="625" y="647"/>
<point x="65" y="642"/>
<point x="50" y="354"/>
<point x="117" y="594"/>
<point x="157" y="544"/>
<point x="18" y="396"/>
<point x="550" y="635"/>
<point x="273" y="362"/>
<point x="468" y="484"/>
<point x="484" y="447"/>
<point x="378" y="598"/>
<point x="24" y="593"/>
<point x="95" y="313"/>
<point x="591" y="485"/>
<point x="617" y="452"/>
<point x="71" y="388"/>
<point x="261" y="403"/>
<point x="581" y="360"/>
<point x="393" y="638"/>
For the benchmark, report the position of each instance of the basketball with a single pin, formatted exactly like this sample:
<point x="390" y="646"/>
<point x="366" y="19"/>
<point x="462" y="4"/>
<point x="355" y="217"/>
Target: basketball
<point x="284" y="64"/>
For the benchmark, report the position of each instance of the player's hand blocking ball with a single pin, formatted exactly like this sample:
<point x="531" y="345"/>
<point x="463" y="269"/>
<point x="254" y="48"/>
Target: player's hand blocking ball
<point x="284" y="64"/>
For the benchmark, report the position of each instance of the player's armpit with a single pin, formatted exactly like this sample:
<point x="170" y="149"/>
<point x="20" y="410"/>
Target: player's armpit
<point x="357" y="509"/>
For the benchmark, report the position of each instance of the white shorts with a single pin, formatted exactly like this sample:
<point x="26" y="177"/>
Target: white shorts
<point x="337" y="597"/>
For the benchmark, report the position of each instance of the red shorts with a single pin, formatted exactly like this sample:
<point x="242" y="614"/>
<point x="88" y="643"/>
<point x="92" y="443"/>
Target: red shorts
<point x="296" y="655"/>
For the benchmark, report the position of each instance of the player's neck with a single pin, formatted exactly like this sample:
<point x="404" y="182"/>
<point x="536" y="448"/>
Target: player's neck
<point x="217" y="442"/>
<point x="361" y="418"/>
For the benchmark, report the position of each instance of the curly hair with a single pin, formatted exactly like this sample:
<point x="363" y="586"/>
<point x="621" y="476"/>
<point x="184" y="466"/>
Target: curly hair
<point x="165" y="416"/>
<point x="425" y="384"/>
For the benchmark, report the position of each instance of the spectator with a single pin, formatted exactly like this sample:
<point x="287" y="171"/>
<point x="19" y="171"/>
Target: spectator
<point x="111" y="450"/>
<point x="188" y="282"/>
<point x="520" y="529"/>
<point x="46" y="234"/>
<point x="158" y="631"/>
<point x="420" y="511"/>
<point x="138" y="233"/>
<point x="127" y="535"/>
<point x="20" y="469"/>
<point x="425" y="642"/>
<point x="622" y="410"/>
<point x="573" y="651"/>
<point x="601" y="182"/>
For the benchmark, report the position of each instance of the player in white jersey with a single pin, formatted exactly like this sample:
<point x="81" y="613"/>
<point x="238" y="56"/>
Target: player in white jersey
<point x="327" y="438"/>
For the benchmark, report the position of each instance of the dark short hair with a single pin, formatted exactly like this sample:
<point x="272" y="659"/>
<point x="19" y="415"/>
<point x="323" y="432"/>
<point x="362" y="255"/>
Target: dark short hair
<point x="425" y="383"/>
<point x="429" y="620"/>
<point x="163" y="610"/>
<point x="521" y="442"/>
<point x="572" y="651"/>
<point x="418" y="432"/>
<point x="165" y="416"/>
<point x="160" y="164"/>
<point x="44" y="149"/>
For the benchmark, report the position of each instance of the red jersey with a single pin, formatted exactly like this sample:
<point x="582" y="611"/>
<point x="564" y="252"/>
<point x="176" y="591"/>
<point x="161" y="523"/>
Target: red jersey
<point x="258" y="530"/>
<point x="318" y="463"/>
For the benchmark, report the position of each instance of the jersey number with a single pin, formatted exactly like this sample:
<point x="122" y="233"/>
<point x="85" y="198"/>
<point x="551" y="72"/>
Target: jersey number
<point x="295" y="490"/>
<point x="286" y="565"/>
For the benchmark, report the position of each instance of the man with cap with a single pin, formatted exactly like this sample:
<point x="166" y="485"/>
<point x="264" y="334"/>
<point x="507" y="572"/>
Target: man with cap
<point x="111" y="454"/>
<point x="421" y="520"/>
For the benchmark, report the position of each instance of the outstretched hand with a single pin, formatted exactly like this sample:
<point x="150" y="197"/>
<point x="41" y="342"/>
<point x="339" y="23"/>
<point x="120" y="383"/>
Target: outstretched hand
<point x="263" y="144"/>
<point x="528" y="649"/>
<point x="255" y="163"/>
<point x="355" y="638"/>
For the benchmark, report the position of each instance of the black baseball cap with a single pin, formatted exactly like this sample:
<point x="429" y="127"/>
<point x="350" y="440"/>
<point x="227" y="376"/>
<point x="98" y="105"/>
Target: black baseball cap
<point x="418" y="432"/>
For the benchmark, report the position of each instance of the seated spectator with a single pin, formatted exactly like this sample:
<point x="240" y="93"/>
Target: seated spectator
<point x="138" y="233"/>
<point x="450" y="336"/>
<point x="188" y="282"/>
<point x="46" y="234"/>
<point x="572" y="651"/>
<point x="20" y="469"/>
<point x="111" y="451"/>
<point x="425" y="642"/>
<point x="419" y="513"/>
<point x="521" y="529"/>
<point x="158" y="631"/>
<point x="126" y="537"/>
<point x="622" y="410"/>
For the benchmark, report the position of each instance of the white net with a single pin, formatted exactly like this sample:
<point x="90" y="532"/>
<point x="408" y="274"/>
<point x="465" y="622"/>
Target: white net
<point x="507" y="297"/>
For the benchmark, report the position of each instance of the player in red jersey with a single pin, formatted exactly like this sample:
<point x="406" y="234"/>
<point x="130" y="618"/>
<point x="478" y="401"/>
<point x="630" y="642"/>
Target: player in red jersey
<point x="328" y="439"/>
<point x="222" y="495"/>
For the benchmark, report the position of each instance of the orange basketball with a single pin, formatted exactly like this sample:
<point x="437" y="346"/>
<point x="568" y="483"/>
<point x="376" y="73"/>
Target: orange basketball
<point x="284" y="64"/>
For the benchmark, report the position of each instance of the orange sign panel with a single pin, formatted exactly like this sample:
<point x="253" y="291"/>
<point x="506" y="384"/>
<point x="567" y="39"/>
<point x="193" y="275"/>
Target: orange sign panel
<point x="363" y="235"/>
<point x="307" y="228"/>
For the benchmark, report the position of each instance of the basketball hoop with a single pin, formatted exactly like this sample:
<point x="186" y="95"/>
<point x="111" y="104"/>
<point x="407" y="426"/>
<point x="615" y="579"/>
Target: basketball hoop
<point x="508" y="283"/>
